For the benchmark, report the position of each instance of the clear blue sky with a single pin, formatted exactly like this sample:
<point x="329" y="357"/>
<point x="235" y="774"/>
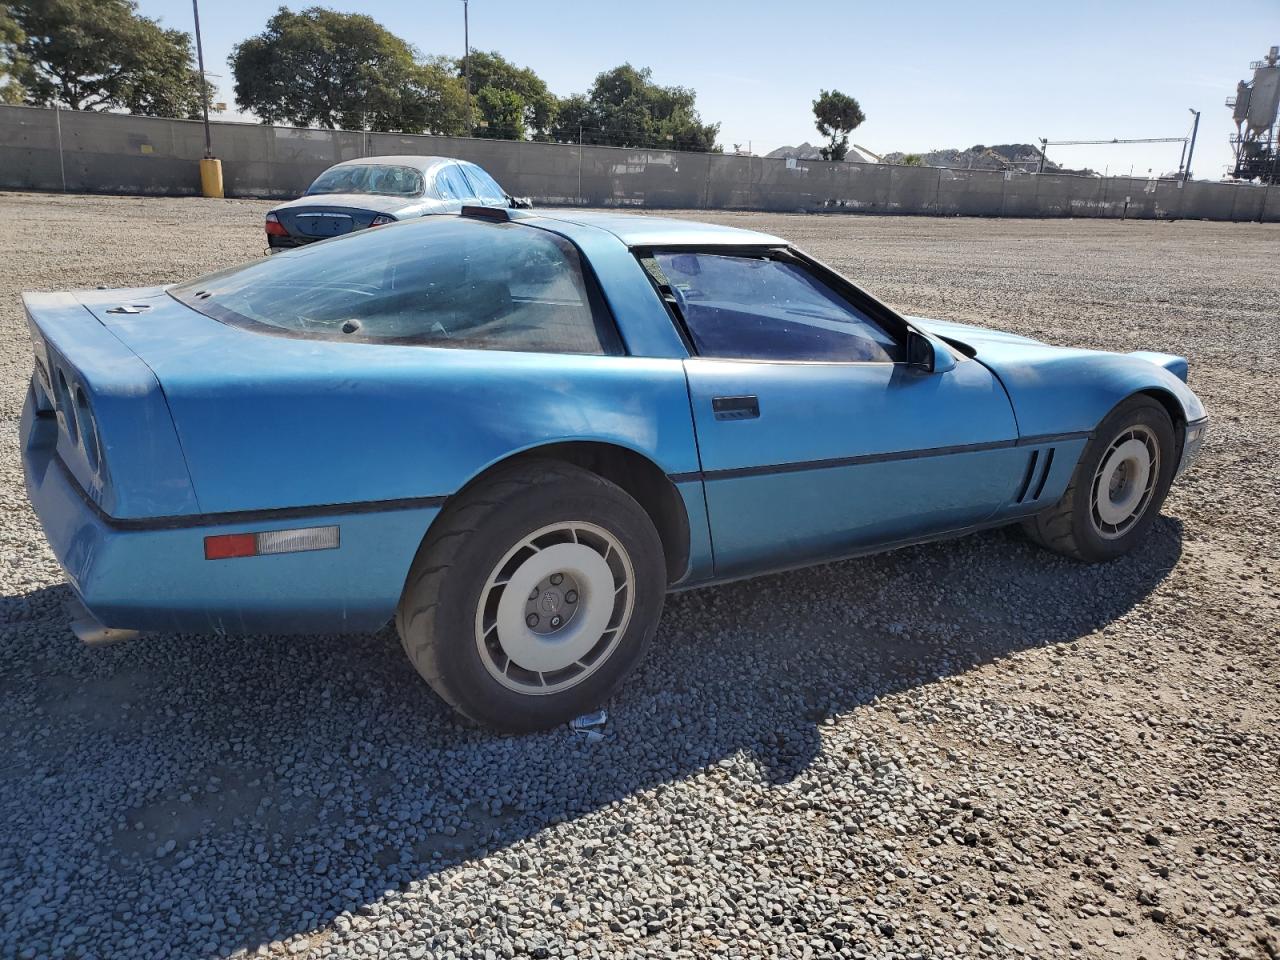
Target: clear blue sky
<point x="928" y="74"/>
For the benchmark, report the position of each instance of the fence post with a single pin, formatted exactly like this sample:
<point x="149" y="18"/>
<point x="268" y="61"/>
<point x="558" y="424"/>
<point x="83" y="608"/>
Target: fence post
<point x="62" y="164"/>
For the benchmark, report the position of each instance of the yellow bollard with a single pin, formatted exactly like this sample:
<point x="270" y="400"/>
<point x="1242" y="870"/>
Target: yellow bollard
<point x="211" y="177"/>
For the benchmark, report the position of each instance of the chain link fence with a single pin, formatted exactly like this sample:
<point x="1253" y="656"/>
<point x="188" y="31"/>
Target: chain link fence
<point x="83" y="152"/>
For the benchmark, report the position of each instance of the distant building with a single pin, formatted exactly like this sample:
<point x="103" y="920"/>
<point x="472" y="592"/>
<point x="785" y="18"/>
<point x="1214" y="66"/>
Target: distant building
<point x="807" y="151"/>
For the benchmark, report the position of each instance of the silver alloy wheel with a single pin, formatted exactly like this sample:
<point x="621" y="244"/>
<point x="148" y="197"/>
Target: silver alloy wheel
<point x="1125" y="481"/>
<point x="554" y="608"/>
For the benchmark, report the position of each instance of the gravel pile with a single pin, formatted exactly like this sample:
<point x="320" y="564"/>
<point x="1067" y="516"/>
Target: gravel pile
<point x="974" y="748"/>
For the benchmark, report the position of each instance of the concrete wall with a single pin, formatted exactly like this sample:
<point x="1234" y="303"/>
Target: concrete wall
<point x="114" y="153"/>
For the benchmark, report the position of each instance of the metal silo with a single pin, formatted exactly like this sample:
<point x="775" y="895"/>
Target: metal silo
<point x="1254" y="109"/>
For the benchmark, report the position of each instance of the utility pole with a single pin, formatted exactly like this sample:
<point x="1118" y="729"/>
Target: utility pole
<point x="210" y="166"/>
<point x="1186" y="175"/>
<point x="466" y="61"/>
<point x="204" y="82"/>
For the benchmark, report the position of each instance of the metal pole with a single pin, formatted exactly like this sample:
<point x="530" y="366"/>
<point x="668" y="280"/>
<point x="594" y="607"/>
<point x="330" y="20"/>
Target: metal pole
<point x="1044" y="146"/>
<point x="1182" y="157"/>
<point x="1275" y="155"/>
<point x="466" y="61"/>
<point x="62" y="164"/>
<point x="1191" y="151"/>
<point x="204" y="81"/>
<point x="579" y="164"/>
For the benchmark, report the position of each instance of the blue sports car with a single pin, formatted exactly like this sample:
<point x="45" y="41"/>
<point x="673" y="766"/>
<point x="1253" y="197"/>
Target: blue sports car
<point x="515" y="432"/>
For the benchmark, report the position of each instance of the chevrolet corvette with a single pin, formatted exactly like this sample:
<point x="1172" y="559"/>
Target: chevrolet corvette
<point x="513" y="432"/>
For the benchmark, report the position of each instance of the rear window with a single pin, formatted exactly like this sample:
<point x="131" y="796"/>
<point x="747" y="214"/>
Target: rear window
<point x="383" y="179"/>
<point x="439" y="281"/>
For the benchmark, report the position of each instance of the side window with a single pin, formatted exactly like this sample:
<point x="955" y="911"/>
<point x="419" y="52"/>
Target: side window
<point x="756" y="308"/>
<point x="486" y="188"/>
<point x="452" y="184"/>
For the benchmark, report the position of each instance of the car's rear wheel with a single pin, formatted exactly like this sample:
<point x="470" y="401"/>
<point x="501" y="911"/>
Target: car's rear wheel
<point x="533" y="595"/>
<point x="1118" y="486"/>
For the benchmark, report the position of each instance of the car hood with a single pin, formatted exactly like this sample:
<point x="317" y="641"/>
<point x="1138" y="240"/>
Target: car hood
<point x="968" y="334"/>
<point x="1063" y="389"/>
<point x="356" y="201"/>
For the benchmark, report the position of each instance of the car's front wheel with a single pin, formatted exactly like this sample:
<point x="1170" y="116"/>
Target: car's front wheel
<point x="533" y="595"/>
<point x="1118" y="486"/>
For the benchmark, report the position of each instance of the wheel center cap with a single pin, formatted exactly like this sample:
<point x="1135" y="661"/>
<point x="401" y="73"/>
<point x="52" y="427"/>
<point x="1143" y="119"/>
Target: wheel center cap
<point x="551" y="601"/>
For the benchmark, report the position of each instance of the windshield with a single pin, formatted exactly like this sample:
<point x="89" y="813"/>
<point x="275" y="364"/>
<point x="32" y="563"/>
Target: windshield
<point x="380" y="178"/>
<point x="437" y="281"/>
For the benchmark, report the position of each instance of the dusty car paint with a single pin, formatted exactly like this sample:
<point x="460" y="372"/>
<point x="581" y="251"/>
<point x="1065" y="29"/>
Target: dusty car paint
<point x="209" y="428"/>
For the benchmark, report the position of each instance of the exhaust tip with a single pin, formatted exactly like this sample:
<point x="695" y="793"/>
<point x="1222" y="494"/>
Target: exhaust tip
<point x="91" y="631"/>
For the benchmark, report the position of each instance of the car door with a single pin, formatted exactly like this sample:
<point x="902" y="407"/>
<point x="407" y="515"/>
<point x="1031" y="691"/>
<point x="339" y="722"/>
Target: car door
<point x="817" y="438"/>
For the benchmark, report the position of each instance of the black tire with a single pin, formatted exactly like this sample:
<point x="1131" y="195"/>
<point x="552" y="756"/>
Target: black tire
<point x="438" y="612"/>
<point x="1071" y="526"/>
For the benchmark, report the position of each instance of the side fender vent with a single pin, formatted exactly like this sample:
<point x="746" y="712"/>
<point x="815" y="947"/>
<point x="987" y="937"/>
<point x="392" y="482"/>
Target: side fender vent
<point x="1037" y="475"/>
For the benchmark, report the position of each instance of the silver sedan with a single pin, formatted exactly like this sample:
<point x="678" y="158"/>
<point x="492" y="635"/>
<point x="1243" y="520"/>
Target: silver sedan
<point x="371" y="191"/>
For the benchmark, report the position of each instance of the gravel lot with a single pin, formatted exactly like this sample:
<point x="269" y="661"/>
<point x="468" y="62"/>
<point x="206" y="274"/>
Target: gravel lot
<point x="968" y="749"/>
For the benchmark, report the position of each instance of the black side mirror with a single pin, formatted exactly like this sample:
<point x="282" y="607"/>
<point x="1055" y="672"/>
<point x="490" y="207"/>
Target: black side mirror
<point x="920" y="351"/>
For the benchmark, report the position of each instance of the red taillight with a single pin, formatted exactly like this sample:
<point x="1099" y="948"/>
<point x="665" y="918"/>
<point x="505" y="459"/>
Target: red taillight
<point x="298" y="540"/>
<point x="231" y="545"/>
<point x="274" y="227"/>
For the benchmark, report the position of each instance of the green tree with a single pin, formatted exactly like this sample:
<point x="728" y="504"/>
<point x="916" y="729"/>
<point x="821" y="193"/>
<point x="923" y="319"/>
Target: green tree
<point x="625" y="108"/>
<point x="442" y="98"/>
<point x="912" y="160"/>
<point x="837" y="115"/>
<point x="344" y="71"/>
<point x="101" y="55"/>
<point x="510" y="102"/>
<point x="502" y="113"/>
<point x="11" y="37"/>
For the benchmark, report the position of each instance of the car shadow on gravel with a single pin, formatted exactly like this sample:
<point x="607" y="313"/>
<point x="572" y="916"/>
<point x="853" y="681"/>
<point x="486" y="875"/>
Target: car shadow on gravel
<point x="204" y="795"/>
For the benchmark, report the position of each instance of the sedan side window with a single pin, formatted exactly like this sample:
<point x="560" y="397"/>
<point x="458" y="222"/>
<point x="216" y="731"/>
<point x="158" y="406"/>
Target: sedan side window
<point x="486" y="188"/>
<point x="758" y="308"/>
<point x="452" y="184"/>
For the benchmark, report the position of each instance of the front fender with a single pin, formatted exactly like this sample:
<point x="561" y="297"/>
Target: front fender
<point x="1056" y="390"/>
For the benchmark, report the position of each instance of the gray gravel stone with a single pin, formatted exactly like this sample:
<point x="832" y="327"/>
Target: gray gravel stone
<point x="968" y="749"/>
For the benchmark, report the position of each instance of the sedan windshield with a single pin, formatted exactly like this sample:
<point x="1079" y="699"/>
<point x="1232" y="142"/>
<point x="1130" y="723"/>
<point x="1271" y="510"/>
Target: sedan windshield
<point x="379" y="178"/>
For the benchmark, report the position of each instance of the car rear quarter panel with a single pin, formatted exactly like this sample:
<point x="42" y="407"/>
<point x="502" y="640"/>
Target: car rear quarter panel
<point x="270" y="422"/>
<point x="138" y="470"/>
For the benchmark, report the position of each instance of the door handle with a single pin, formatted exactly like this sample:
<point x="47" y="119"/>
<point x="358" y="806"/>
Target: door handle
<point x="735" y="408"/>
